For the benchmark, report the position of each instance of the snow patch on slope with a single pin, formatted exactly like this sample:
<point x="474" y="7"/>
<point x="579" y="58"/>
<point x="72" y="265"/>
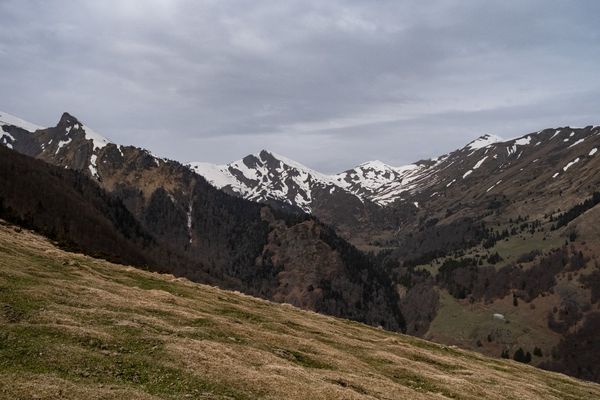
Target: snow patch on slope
<point x="523" y="141"/>
<point x="217" y="175"/>
<point x="62" y="143"/>
<point x="5" y="139"/>
<point x="484" y="141"/>
<point x="569" y="165"/>
<point x="189" y="222"/>
<point x="577" y="142"/>
<point x="92" y="167"/>
<point x="98" y="140"/>
<point x="7" y="119"/>
<point x="480" y="162"/>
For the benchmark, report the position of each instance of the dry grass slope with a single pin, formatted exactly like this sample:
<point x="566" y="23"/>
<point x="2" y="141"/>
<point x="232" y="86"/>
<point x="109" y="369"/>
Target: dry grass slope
<point x="75" y="327"/>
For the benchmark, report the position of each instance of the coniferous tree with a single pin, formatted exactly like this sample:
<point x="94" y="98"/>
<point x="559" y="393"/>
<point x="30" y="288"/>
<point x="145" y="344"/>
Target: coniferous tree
<point x="519" y="355"/>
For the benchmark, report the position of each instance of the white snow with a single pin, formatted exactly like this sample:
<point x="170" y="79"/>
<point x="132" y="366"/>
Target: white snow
<point x="577" y="142"/>
<point x="92" y="166"/>
<point x="286" y="179"/>
<point x="217" y="175"/>
<point x="569" y="165"/>
<point x="494" y="185"/>
<point x="4" y="138"/>
<point x="98" y="140"/>
<point x="7" y="119"/>
<point x="283" y="180"/>
<point x="555" y="175"/>
<point x="11" y="137"/>
<point x="511" y="149"/>
<point x="62" y="143"/>
<point x="555" y="134"/>
<point x="416" y="203"/>
<point x="267" y="175"/>
<point x="372" y="176"/>
<point x="189" y="221"/>
<point x="480" y="162"/>
<point x="594" y="150"/>
<point x="523" y="141"/>
<point x="484" y="141"/>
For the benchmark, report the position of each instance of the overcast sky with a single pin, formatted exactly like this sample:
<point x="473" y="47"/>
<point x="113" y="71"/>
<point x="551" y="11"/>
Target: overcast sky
<point x="328" y="83"/>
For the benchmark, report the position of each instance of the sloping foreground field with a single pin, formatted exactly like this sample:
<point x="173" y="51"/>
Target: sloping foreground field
<point x="74" y="327"/>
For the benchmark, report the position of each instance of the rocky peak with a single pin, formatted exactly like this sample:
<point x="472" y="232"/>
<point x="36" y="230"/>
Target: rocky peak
<point x="67" y="120"/>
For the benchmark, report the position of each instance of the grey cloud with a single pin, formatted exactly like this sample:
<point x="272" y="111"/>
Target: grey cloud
<point x="329" y="83"/>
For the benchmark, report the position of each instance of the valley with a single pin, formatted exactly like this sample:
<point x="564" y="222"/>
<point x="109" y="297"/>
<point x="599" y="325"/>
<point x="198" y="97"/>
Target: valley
<point x="492" y="247"/>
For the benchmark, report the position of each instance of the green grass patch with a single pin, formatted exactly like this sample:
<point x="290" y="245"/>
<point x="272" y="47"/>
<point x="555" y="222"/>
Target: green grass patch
<point x="237" y="313"/>
<point x="442" y="366"/>
<point x="302" y="359"/>
<point x="127" y="358"/>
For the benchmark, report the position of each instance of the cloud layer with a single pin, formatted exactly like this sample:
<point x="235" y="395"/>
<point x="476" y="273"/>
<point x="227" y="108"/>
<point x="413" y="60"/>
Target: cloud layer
<point x="330" y="84"/>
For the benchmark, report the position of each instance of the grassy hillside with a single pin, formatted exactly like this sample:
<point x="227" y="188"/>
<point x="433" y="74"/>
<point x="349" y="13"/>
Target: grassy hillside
<point x="75" y="327"/>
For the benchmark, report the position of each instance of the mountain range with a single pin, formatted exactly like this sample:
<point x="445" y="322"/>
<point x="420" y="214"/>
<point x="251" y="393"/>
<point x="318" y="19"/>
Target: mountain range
<point x="202" y="233"/>
<point x="268" y="176"/>
<point x="377" y="200"/>
<point x="492" y="247"/>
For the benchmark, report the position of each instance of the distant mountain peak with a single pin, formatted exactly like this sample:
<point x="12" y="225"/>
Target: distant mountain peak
<point x="375" y="164"/>
<point x="265" y="175"/>
<point x="69" y="122"/>
<point x="484" y="141"/>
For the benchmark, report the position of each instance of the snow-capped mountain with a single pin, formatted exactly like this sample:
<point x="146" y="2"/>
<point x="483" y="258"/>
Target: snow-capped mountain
<point x="54" y="143"/>
<point x="178" y="223"/>
<point x="70" y="144"/>
<point x="368" y="199"/>
<point x="268" y="176"/>
<point x="487" y="162"/>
